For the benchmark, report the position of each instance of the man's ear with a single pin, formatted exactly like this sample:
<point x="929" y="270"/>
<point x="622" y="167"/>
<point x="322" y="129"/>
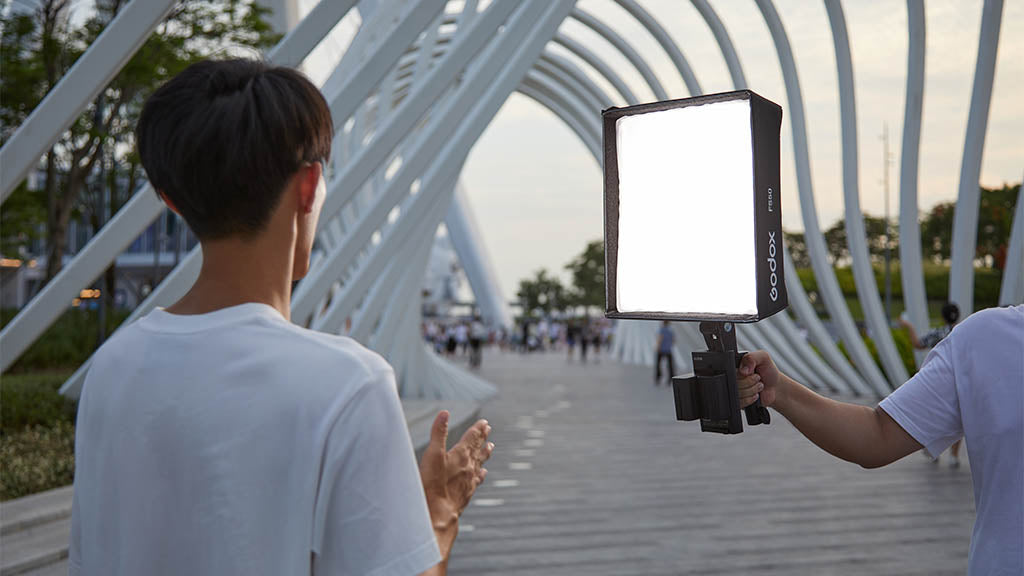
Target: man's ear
<point x="309" y="179"/>
<point x="168" y="202"/>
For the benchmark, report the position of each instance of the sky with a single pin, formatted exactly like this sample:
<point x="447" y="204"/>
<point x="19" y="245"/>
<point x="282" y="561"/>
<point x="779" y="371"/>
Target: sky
<point x="536" y="191"/>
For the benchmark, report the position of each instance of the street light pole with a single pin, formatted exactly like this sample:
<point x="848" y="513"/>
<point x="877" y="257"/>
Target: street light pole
<point x="888" y="237"/>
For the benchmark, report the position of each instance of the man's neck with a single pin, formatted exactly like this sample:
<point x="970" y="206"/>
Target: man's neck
<point x="238" y="272"/>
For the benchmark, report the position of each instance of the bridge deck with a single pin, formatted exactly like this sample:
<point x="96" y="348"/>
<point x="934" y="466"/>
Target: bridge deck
<point x="592" y="475"/>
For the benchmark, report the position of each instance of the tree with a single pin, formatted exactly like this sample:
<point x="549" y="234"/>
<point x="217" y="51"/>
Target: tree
<point x="41" y="46"/>
<point x="587" y="271"/>
<point x="542" y="293"/>
<point x="797" y="245"/>
<point x="878" y="236"/>
<point x="937" y="232"/>
<point x="995" y="219"/>
<point x="835" y="242"/>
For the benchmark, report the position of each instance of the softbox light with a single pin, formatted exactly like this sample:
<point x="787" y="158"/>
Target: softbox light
<point x="693" y="226"/>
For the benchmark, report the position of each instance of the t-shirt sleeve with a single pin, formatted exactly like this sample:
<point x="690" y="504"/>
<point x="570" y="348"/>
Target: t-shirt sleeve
<point x="928" y="405"/>
<point x="371" y="514"/>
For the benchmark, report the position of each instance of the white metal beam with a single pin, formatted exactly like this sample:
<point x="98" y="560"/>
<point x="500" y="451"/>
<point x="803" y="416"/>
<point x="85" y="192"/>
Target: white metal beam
<point x="856" y="239"/>
<point x="828" y="286"/>
<point x="965" y="214"/>
<point x="915" y="302"/>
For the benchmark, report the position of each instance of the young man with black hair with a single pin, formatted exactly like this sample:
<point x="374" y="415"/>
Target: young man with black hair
<point x="971" y="385"/>
<point x="215" y="436"/>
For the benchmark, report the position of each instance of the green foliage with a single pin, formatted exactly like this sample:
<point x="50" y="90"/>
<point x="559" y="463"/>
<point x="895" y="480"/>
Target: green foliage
<point x="542" y="294"/>
<point x="906" y="350"/>
<point x="66" y="344"/>
<point x="23" y="214"/>
<point x="37" y="459"/>
<point x="40" y="46"/>
<point x="995" y="219"/>
<point x="587" y="271"/>
<point x="937" y="232"/>
<point x="797" y="246"/>
<point x="835" y="242"/>
<point x="32" y="400"/>
<point x="37" y="434"/>
<point x="987" y="282"/>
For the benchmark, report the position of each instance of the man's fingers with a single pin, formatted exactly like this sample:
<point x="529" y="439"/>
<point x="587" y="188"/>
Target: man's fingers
<point x="748" y="392"/>
<point x="748" y="401"/>
<point x="439" y="431"/>
<point x="751" y="361"/>
<point x="475" y="437"/>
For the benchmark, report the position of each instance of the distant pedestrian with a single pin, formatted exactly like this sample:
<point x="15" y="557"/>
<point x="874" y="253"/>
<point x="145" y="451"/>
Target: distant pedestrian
<point x="584" y="342"/>
<point x="477" y="335"/>
<point x="450" y="341"/>
<point x="951" y="314"/>
<point x="666" y="340"/>
<point x="462" y="337"/>
<point x="571" y="335"/>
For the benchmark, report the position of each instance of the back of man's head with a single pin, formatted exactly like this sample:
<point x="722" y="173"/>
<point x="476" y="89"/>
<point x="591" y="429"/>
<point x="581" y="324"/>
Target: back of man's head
<point x="950" y="313"/>
<point x="220" y="141"/>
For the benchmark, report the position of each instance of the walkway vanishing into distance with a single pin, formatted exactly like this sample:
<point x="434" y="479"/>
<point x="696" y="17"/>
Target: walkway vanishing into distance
<point x="593" y="475"/>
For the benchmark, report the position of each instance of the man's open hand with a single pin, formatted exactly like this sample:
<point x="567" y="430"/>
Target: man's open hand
<point x="450" y="477"/>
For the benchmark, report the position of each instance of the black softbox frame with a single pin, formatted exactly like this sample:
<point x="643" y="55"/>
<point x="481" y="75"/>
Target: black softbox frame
<point x="765" y="126"/>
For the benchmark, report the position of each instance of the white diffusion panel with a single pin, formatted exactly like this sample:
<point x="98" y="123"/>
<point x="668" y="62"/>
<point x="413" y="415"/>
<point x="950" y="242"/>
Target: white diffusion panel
<point x="686" y="211"/>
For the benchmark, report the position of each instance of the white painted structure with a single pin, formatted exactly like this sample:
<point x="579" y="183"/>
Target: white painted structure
<point x="415" y="89"/>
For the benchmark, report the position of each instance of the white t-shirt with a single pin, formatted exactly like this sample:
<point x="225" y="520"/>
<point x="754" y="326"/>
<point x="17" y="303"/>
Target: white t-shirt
<point x="235" y="442"/>
<point x="972" y="385"/>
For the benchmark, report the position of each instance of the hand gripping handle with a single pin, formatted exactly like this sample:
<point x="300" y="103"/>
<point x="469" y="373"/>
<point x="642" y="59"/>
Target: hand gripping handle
<point x="756" y="412"/>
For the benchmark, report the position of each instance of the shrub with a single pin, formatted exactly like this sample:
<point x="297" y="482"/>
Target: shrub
<point x="37" y="434"/>
<point x="36" y="459"/>
<point x="32" y="400"/>
<point x="987" y="282"/>
<point x="66" y="344"/>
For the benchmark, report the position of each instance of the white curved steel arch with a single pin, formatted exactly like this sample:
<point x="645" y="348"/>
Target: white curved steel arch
<point x="401" y="83"/>
<point x="915" y="302"/>
<point x="856" y="239"/>
<point x="965" y="214"/>
<point x="623" y="47"/>
<point x="667" y="44"/>
<point x="596" y="63"/>
<point x="828" y="286"/>
<point x="561" y="103"/>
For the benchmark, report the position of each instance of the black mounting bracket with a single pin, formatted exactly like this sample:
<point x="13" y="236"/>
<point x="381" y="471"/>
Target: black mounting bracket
<point x="710" y="394"/>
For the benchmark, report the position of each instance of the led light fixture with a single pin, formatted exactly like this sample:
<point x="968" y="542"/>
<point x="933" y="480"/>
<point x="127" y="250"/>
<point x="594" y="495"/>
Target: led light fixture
<point x="693" y="226"/>
<point x="693" y="230"/>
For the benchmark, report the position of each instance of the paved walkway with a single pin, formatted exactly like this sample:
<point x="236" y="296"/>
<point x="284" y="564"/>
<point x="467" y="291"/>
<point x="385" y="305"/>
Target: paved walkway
<point x="593" y="475"/>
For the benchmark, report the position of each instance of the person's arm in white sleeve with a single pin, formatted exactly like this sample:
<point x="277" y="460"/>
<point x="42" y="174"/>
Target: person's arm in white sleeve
<point x="371" y="516"/>
<point x="866" y="436"/>
<point x="375" y="514"/>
